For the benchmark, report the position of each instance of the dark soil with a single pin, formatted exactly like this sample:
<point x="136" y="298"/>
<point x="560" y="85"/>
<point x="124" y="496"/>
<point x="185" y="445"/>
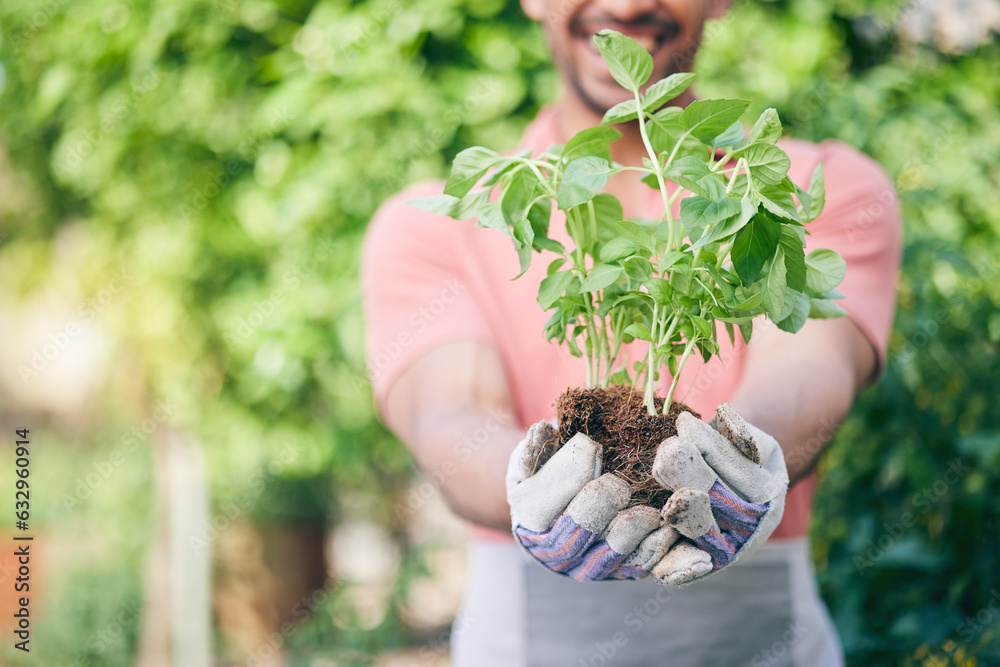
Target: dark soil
<point x="616" y="418"/>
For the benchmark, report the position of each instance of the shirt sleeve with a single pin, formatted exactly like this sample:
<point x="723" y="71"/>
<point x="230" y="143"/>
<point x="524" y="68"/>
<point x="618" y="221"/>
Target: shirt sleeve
<point x="861" y="221"/>
<point x="416" y="291"/>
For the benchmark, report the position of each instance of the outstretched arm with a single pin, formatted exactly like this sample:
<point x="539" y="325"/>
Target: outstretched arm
<point x="798" y="388"/>
<point x="453" y="409"/>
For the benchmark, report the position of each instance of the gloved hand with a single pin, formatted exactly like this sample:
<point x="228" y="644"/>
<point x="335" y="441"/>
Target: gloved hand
<point x="729" y="483"/>
<point x="574" y="521"/>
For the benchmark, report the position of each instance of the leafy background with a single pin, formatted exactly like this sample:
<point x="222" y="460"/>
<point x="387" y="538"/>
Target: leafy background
<point x="222" y="158"/>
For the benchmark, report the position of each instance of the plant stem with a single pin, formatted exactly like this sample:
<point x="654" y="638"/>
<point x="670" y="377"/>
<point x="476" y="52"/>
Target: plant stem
<point x="648" y="399"/>
<point x="616" y="341"/>
<point x="680" y="366"/>
<point x="657" y="170"/>
<point x="736" y="172"/>
<point x="593" y="355"/>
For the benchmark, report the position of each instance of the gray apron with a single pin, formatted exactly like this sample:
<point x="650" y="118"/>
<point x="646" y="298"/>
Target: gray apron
<point x="763" y="611"/>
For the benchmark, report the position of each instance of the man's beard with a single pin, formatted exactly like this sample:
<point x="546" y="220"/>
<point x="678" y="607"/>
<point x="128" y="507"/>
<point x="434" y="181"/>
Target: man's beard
<point x="598" y="107"/>
<point x="671" y="31"/>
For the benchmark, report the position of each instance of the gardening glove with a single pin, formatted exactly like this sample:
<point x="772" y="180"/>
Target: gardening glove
<point x="729" y="483"/>
<point x="574" y="520"/>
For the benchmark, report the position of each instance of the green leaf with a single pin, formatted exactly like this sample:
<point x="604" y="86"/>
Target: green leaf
<point x="660" y="290"/>
<point x="767" y="129"/>
<point x="706" y="119"/>
<point x="775" y="288"/>
<point x="715" y="216"/>
<point x="746" y="330"/>
<point x="491" y="216"/>
<point x="785" y="185"/>
<point x="600" y="277"/>
<point x="665" y="90"/>
<point x="792" y="243"/>
<point x="638" y="330"/>
<point x="555" y="265"/>
<point x="768" y="164"/>
<point x="463" y="208"/>
<point x="593" y="141"/>
<point x="780" y="204"/>
<point x="638" y="268"/>
<point x="516" y="197"/>
<point x="538" y="216"/>
<point x="636" y="234"/>
<point x="751" y="302"/>
<point x="728" y="292"/>
<point x="662" y="231"/>
<point x="553" y="287"/>
<point x="799" y="313"/>
<point x="468" y="167"/>
<point x="582" y="181"/>
<point x="711" y="186"/>
<point x="732" y="136"/>
<point x="825" y="270"/>
<point x="707" y="347"/>
<point x="620" y="113"/>
<point x="817" y="192"/>
<point x="607" y="210"/>
<point x="665" y="129"/>
<point x="618" y="248"/>
<point x="731" y="332"/>
<point x="701" y="325"/>
<point x="524" y="235"/>
<point x="688" y="172"/>
<point x="753" y="246"/>
<point x="822" y="309"/>
<point x="629" y="63"/>
<point x="669" y="259"/>
<point x="806" y="201"/>
<point x="545" y="243"/>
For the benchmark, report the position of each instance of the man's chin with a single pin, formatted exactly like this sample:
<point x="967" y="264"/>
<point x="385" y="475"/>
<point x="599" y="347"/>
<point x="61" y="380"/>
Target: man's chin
<point x="599" y="97"/>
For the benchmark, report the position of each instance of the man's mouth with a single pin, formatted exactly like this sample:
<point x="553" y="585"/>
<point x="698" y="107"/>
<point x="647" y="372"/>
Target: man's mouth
<point x="652" y="32"/>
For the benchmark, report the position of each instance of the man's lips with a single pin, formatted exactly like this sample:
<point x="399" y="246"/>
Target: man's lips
<point x="650" y="31"/>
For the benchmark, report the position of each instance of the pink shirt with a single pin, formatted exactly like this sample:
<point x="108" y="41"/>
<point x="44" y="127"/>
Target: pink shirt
<point x="428" y="280"/>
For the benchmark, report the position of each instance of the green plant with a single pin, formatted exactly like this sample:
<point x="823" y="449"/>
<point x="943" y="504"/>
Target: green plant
<point x="736" y="251"/>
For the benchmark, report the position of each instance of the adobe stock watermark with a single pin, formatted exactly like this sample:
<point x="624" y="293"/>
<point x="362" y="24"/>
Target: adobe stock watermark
<point x="111" y="634"/>
<point x="420" y="320"/>
<point x="435" y="136"/>
<point x="57" y="341"/>
<point x="71" y="156"/>
<point x="462" y="450"/>
<point x="200" y="197"/>
<point x="265" y="308"/>
<point x="776" y="653"/>
<point x="926" y="329"/>
<point x="128" y="443"/>
<point x="986" y="618"/>
<point x="270" y="648"/>
<point x="42" y="16"/>
<point x="923" y="501"/>
<point x="439" y="646"/>
<point x="915" y="169"/>
<point x="377" y="21"/>
<point x="635" y="620"/>
<point x="231" y="511"/>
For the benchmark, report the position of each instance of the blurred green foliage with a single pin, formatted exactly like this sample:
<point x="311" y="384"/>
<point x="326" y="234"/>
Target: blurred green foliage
<point x="231" y="153"/>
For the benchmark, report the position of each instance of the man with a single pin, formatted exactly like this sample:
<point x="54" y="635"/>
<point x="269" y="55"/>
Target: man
<point x="461" y="368"/>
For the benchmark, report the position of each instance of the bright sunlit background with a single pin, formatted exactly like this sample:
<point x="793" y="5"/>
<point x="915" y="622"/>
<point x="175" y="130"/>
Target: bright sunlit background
<point x="184" y="185"/>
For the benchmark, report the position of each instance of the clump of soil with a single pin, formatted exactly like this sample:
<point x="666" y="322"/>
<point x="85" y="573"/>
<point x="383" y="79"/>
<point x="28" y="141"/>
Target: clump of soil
<point x="616" y="418"/>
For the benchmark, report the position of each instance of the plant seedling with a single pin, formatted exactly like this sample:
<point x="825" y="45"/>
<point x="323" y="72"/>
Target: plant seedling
<point x="736" y="250"/>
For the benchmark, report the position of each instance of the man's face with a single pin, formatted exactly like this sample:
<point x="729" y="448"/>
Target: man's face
<point x="669" y="29"/>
